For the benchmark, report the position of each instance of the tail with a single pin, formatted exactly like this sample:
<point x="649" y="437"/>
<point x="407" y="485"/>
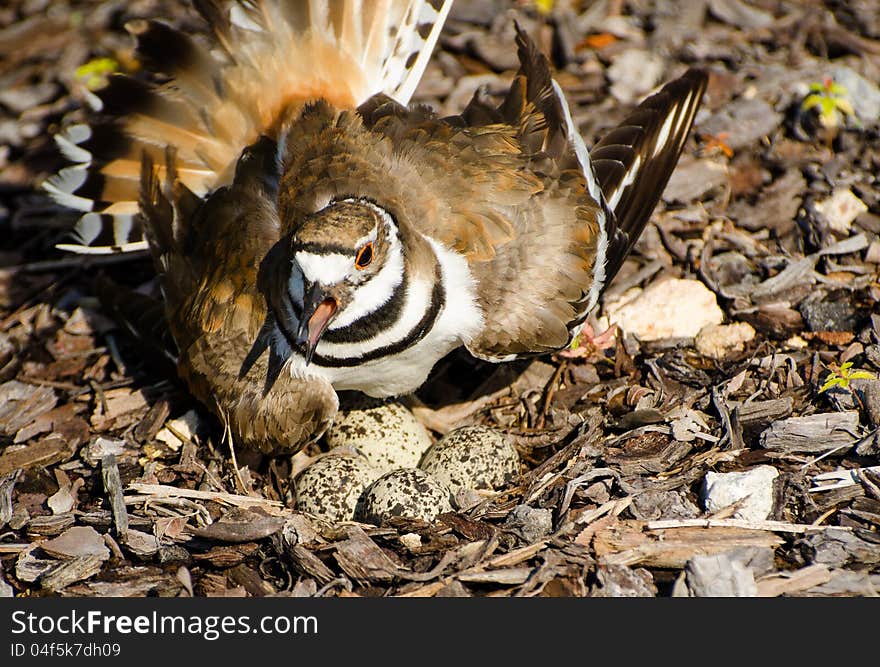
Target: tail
<point x="272" y="57"/>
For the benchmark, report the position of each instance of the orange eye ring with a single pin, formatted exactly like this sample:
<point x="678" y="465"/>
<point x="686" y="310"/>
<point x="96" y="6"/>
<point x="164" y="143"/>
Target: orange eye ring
<point x="364" y="257"/>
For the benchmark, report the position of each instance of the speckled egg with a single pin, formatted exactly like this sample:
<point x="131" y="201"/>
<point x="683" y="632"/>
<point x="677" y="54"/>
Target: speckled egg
<point x="472" y="457"/>
<point x="388" y="434"/>
<point x="405" y="492"/>
<point x="332" y="486"/>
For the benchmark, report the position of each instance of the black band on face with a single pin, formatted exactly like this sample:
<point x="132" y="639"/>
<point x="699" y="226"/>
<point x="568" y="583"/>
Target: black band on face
<point x="419" y="331"/>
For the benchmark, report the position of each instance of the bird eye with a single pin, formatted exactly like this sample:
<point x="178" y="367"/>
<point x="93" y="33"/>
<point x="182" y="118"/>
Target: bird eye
<point x="364" y="257"/>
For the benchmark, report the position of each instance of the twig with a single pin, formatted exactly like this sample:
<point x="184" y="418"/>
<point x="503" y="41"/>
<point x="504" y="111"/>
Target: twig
<point x="793" y="582"/>
<point x="772" y="526"/>
<point x="163" y="490"/>
<point x="848" y="445"/>
<point x="113" y="348"/>
<point x="517" y="555"/>
<point x="549" y="393"/>
<point x="227" y="436"/>
<point x="842" y="478"/>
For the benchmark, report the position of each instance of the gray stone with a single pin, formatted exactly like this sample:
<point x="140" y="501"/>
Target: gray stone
<point x="828" y="315"/>
<point x="529" y="523"/>
<point x="753" y="487"/>
<point x="719" y="575"/>
<point x="862" y="94"/>
<point x="753" y="119"/>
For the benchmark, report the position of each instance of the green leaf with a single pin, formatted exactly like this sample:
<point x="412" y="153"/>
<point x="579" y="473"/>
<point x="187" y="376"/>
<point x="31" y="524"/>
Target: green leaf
<point x="833" y="381"/>
<point x="828" y="105"/>
<point x="810" y="102"/>
<point x="95" y="72"/>
<point x="838" y="90"/>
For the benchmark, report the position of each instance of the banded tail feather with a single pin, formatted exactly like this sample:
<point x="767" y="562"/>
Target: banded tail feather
<point x="273" y="57"/>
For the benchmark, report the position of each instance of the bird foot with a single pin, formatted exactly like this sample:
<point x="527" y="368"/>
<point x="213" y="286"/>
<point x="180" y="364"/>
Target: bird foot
<point x="588" y="343"/>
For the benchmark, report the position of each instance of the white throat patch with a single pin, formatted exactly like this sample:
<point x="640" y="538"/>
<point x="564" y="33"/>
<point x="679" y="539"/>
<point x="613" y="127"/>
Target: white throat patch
<point x="326" y="269"/>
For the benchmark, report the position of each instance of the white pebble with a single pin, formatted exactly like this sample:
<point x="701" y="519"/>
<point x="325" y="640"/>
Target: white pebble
<point x="755" y="485"/>
<point x="840" y="209"/>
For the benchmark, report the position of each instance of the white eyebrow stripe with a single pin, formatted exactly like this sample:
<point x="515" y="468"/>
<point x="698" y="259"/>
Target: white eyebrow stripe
<point x="326" y="269"/>
<point x="377" y="291"/>
<point x="362" y="241"/>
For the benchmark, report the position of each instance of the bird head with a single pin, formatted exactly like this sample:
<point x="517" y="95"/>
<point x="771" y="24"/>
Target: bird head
<point x="339" y="264"/>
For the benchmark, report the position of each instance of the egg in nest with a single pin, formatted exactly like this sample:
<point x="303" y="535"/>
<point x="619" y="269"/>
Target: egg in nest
<point x="387" y="434"/>
<point x="332" y="486"/>
<point x="472" y="457"/>
<point x="405" y="492"/>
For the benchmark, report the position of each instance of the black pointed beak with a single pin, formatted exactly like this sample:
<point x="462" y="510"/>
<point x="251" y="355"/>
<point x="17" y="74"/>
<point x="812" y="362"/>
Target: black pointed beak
<point x="318" y="310"/>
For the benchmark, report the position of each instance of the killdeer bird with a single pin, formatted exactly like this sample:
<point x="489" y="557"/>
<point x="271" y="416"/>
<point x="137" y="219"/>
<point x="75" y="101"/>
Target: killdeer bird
<point x="314" y="233"/>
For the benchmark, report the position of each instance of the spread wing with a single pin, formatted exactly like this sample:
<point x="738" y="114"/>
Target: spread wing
<point x="544" y="224"/>
<point x="515" y="197"/>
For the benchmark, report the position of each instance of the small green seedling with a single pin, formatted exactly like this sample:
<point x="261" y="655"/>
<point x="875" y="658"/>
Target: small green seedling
<point x="95" y="72"/>
<point x="544" y="6"/>
<point x="832" y="101"/>
<point x="842" y="377"/>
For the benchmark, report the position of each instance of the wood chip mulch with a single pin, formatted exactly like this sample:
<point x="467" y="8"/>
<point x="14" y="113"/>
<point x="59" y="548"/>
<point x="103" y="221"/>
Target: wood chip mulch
<point x="113" y="482"/>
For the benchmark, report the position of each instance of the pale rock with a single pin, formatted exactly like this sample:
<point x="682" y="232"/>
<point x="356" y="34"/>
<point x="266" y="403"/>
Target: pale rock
<point x="755" y="486"/>
<point x="716" y="340"/>
<point x="795" y="343"/>
<point x="177" y="431"/>
<point x="411" y="541"/>
<point x="529" y="523"/>
<point x="674" y="308"/>
<point x="719" y="575"/>
<point x="840" y="209"/>
<point x="863" y="94"/>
